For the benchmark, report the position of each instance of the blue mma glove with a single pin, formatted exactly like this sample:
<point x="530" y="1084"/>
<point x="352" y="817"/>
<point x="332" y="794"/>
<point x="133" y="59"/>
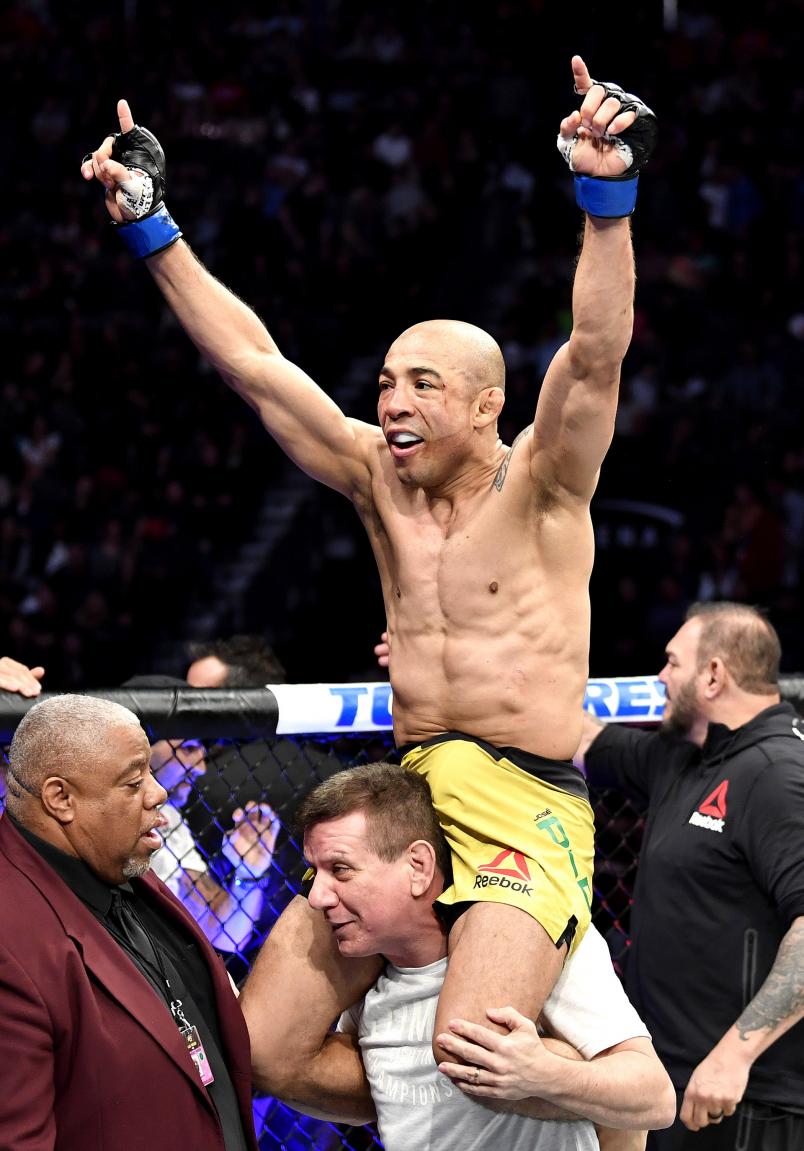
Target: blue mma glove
<point x="152" y="228"/>
<point x="615" y="196"/>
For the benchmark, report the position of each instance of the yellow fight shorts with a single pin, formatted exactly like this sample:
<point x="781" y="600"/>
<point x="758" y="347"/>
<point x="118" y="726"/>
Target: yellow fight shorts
<point x="520" y="828"/>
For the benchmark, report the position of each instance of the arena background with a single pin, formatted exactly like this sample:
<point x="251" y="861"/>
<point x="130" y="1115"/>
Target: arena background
<point x="349" y="168"/>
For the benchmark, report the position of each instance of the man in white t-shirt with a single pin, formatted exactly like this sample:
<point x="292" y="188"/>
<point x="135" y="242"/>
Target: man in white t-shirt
<point x="380" y="860"/>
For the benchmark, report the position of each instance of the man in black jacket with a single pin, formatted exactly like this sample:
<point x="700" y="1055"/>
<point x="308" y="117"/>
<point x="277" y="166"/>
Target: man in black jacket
<point x="716" y="966"/>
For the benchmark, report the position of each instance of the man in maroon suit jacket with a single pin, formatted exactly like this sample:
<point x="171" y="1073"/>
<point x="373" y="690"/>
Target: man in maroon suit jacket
<point x="118" y="1026"/>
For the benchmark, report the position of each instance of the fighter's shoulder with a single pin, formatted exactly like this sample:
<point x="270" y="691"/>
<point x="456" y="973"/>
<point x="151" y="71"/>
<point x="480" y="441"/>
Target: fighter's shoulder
<point x="370" y="438"/>
<point x="368" y="458"/>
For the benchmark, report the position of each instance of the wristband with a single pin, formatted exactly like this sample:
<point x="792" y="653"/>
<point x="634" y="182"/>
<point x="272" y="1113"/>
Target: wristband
<point x="240" y="879"/>
<point x="146" y="237"/>
<point x="609" y="198"/>
<point x="244" y="876"/>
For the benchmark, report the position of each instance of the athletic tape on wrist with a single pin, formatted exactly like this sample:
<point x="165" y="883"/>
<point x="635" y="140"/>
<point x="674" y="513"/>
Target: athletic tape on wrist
<point x="146" y="237"/>
<point x="608" y="198"/>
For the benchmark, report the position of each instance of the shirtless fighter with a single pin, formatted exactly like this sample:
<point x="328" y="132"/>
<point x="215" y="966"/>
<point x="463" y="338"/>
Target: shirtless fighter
<point x="484" y="553"/>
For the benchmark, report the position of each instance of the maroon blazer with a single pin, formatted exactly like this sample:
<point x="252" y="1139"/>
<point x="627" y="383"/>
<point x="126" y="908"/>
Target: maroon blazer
<point x="90" y="1058"/>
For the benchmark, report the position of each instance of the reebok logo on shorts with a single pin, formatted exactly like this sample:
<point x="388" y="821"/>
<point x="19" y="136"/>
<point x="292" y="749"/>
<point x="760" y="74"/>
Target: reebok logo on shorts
<point x="711" y="814"/>
<point x="519" y="872"/>
<point x="499" y="876"/>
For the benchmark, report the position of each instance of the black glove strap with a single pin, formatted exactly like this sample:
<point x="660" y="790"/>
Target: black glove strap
<point x="139" y="148"/>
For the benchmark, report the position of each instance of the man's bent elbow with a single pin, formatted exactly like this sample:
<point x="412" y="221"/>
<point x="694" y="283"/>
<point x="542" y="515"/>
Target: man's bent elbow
<point x="658" y="1109"/>
<point x="665" y="1107"/>
<point x="661" y="1111"/>
<point x="651" y="1103"/>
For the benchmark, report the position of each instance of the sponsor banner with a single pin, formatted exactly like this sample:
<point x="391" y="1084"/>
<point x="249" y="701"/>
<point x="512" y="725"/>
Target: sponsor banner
<point x="330" y="708"/>
<point x="626" y="699"/>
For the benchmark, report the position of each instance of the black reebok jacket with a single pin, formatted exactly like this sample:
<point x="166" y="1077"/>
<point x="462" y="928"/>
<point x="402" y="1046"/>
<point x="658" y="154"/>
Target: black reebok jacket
<point x="720" y="879"/>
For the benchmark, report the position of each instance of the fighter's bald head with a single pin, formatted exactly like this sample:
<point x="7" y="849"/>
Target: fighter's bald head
<point x="462" y="348"/>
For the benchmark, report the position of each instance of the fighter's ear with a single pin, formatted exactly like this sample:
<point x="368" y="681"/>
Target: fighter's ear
<point x="421" y="860"/>
<point x="488" y="405"/>
<point x="58" y="798"/>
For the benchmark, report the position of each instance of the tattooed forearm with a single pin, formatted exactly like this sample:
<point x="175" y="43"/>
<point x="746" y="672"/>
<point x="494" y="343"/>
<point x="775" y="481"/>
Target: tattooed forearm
<point x="502" y="471"/>
<point x="781" y="996"/>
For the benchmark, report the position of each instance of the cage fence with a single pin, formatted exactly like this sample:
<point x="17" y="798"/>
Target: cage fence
<point x="236" y="764"/>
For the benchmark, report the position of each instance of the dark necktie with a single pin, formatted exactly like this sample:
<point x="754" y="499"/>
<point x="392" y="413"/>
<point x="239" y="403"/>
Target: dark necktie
<point x="126" y="926"/>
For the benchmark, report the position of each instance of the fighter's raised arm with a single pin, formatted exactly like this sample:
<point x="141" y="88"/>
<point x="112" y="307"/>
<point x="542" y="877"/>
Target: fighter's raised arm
<point x="305" y="422"/>
<point x="605" y="143"/>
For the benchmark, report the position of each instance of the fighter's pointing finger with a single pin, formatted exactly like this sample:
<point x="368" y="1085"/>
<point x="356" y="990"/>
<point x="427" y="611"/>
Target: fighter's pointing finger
<point x="92" y="165"/>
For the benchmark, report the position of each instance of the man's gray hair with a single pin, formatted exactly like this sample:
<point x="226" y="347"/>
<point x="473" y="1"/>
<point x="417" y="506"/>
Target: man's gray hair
<point x="62" y="735"/>
<point x="746" y="641"/>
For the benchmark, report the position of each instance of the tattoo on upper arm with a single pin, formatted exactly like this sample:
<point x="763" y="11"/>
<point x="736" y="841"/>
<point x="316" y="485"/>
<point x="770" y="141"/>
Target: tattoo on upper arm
<point x="782" y="993"/>
<point x="502" y="471"/>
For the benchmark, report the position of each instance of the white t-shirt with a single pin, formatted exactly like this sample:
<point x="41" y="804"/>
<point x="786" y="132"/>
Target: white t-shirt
<point x="178" y="853"/>
<point x="588" y="1006"/>
<point x="419" y="1109"/>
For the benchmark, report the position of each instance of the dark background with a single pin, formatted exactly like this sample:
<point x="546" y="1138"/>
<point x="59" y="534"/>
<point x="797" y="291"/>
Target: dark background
<point x="348" y="169"/>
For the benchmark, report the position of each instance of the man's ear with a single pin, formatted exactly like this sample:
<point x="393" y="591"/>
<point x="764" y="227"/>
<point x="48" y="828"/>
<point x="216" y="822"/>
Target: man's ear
<point x="422" y="864"/>
<point x="488" y="405"/>
<point x="58" y="799"/>
<point x="715" y="677"/>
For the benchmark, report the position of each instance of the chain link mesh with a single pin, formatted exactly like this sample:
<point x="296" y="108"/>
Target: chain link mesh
<point x="232" y="857"/>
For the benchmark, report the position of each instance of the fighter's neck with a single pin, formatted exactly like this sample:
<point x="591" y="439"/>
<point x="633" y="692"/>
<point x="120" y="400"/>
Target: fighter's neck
<point x="473" y="478"/>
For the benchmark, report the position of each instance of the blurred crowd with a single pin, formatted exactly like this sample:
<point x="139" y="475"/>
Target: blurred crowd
<point x="349" y="168"/>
